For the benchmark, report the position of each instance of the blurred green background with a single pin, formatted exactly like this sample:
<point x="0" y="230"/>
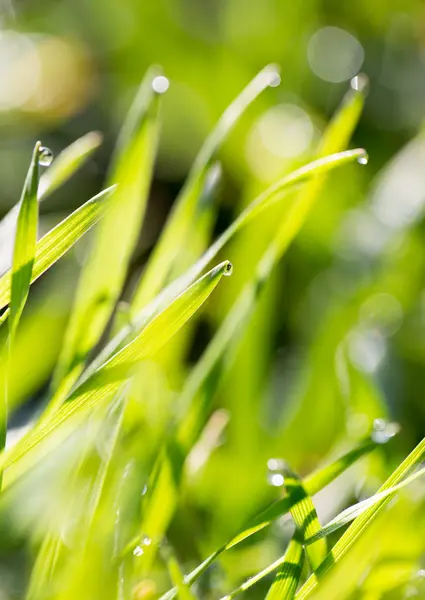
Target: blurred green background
<point x="339" y="336"/>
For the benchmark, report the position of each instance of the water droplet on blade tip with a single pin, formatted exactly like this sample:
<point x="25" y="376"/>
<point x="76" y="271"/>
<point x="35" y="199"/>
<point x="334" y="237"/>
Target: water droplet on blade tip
<point x="363" y="159"/>
<point x="228" y="269"/>
<point x="274" y="77"/>
<point x="160" y="84"/>
<point x="360" y="83"/>
<point x="45" y="156"/>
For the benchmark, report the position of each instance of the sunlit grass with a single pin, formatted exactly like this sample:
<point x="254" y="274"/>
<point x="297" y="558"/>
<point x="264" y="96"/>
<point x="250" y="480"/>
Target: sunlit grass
<point x="97" y="486"/>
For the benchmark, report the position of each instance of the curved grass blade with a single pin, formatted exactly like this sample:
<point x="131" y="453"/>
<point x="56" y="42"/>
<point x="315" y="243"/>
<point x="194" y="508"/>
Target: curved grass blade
<point x="105" y="270"/>
<point x="361" y="524"/>
<point x="272" y="195"/>
<point x="312" y="483"/>
<point x="291" y="566"/>
<point x="63" y="167"/>
<point x="52" y="246"/>
<point x="44" y="566"/>
<point x="105" y="382"/>
<point x="182" y="216"/>
<point x="203" y="380"/>
<point x="68" y="162"/>
<point x="351" y="513"/>
<point x="22" y="266"/>
<point x="25" y="243"/>
<point x="305" y="517"/>
<point x="287" y="578"/>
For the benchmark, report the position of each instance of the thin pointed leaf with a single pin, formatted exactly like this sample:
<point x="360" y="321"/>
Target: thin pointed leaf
<point x="351" y="513"/>
<point x="105" y="270"/>
<point x="181" y="218"/>
<point x="63" y="167"/>
<point x="203" y="380"/>
<point x="305" y="517"/>
<point x="52" y="246"/>
<point x="22" y="267"/>
<point x="271" y="196"/>
<point x="68" y="162"/>
<point x="313" y="484"/>
<point x="107" y="380"/>
<point x="25" y="243"/>
<point x="360" y="525"/>
<point x="290" y="563"/>
<point x="287" y="578"/>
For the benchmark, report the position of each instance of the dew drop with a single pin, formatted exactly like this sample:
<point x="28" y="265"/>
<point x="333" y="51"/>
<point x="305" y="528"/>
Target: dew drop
<point x="360" y="83"/>
<point x="383" y="431"/>
<point x="160" y="84"/>
<point x="144" y="490"/>
<point x="228" y="269"/>
<point x="275" y="471"/>
<point x="146" y="541"/>
<point x="275" y="79"/>
<point x="421" y="574"/>
<point x="45" y="156"/>
<point x="363" y="158"/>
<point x="138" y="551"/>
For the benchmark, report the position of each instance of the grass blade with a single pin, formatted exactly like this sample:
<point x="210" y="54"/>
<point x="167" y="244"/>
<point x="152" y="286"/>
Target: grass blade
<point x="360" y="525"/>
<point x="68" y="162"/>
<point x="313" y="484"/>
<point x="25" y="243"/>
<point x="52" y="246"/>
<point x="182" y="216"/>
<point x="305" y="517"/>
<point x="22" y="266"/>
<point x="351" y="513"/>
<point x="107" y="380"/>
<point x="63" y="167"/>
<point x="335" y="137"/>
<point x="271" y="196"/>
<point x="287" y="578"/>
<point x="291" y="565"/>
<point x="204" y="377"/>
<point x="105" y="270"/>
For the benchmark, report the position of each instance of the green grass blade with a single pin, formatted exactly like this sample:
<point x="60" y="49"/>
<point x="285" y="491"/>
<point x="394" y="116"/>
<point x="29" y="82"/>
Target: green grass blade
<point x="305" y="517"/>
<point x="351" y="513"/>
<point x="62" y="168"/>
<point x="204" y="377"/>
<point x="340" y="129"/>
<point x="361" y="524"/>
<point x="182" y="216"/>
<point x="25" y="243"/>
<point x="68" y="162"/>
<point x="271" y="196"/>
<point x="22" y="266"/>
<point x="108" y="379"/>
<point x="313" y="484"/>
<point x="290" y="563"/>
<point x="44" y="566"/>
<point x="287" y="578"/>
<point x="52" y="246"/>
<point x="106" y="267"/>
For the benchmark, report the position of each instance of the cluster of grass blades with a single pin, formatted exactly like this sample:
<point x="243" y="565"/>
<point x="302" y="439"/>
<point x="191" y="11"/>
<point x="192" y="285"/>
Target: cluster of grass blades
<point x="105" y="486"/>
